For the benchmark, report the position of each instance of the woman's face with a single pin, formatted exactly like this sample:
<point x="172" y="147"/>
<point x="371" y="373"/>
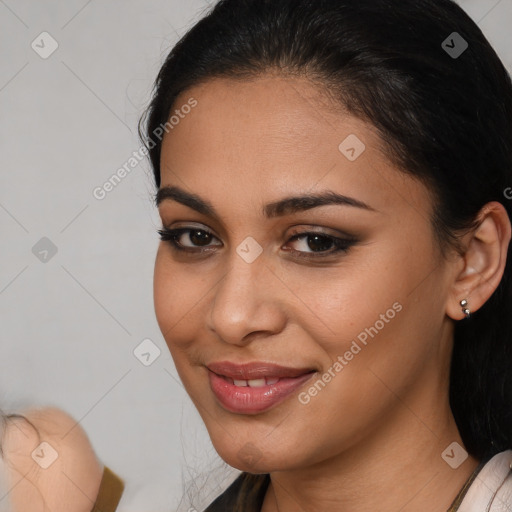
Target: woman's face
<point x="349" y="295"/>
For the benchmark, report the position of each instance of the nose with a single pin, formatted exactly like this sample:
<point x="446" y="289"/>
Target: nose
<point x="247" y="302"/>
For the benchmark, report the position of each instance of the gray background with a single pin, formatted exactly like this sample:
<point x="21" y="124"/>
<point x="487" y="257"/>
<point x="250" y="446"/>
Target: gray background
<point x="69" y="325"/>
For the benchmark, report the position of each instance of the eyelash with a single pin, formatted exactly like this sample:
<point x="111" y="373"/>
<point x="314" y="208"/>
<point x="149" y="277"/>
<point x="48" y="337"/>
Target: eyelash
<point x="340" y="244"/>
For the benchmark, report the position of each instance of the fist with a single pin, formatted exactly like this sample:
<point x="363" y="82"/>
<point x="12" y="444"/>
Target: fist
<point x="49" y="463"/>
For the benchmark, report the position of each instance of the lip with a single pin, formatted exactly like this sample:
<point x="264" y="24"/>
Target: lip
<point x="255" y="370"/>
<point x="254" y="400"/>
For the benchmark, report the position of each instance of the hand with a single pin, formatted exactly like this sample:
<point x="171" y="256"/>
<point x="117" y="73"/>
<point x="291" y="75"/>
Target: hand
<point x="70" y="483"/>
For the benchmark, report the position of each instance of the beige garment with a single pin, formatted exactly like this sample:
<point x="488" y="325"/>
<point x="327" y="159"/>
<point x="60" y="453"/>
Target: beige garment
<point x="491" y="490"/>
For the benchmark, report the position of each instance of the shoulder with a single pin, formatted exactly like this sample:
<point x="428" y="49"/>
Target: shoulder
<point x="492" y="488"/>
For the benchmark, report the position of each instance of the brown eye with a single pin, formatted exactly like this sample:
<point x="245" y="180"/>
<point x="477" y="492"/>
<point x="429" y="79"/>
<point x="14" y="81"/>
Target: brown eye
<point x="308" y="245"/>
<point x="187" y="238"/>
<point x="322" y="244"/>
<point x="200" y="237"/>
<point x="319" y="242"/>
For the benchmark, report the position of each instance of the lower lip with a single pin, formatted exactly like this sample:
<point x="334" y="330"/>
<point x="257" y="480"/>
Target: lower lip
<point x="247" y="400"/>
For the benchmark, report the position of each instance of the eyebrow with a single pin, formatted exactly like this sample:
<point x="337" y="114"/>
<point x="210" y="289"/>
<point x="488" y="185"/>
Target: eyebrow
<point x="285" y="206"/>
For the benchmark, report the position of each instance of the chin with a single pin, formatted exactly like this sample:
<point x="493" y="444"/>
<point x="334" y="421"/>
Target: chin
<point x="253" y="457"/>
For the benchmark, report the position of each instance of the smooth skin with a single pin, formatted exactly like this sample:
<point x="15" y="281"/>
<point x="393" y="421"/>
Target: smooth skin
<point x="70" y="483"/>
<point x="372" y="439"/>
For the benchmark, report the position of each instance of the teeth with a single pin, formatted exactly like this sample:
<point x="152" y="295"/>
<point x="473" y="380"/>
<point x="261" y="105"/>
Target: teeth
<point x="256" y="383"/>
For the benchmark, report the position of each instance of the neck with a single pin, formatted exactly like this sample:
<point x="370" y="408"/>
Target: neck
<point x="399" y="467"/>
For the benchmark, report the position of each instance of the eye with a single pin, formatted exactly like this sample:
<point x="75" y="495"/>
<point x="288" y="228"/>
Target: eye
<point x="310" y="245"/>
<point x="313" y="242"/>
<point x="319" y="244"/>
<point x="179" y="237"/>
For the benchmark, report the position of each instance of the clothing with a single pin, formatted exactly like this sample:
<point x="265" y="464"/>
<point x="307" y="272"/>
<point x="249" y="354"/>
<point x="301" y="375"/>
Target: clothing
<point x="489" y="489"/>
<point x="245" y="494"/>
<point x="109" y="494"/>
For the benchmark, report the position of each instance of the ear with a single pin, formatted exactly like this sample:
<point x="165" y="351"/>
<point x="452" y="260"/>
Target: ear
<point x="481" y="267"/>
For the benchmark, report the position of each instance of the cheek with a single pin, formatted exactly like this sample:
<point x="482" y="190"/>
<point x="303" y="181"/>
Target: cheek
<point x="163" y="298"/>
<point x="177" y="294"/>
<point x="377" y="312"/>
<point x="352" y="297"/>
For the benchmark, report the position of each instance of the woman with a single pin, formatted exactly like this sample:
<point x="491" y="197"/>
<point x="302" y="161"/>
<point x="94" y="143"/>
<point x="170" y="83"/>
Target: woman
<point x="334" y="278"/>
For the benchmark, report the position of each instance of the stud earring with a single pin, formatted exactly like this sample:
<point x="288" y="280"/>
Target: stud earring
<point x="465" y="309"/>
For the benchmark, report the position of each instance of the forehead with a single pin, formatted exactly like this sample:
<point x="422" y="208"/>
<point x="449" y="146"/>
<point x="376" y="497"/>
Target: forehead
<point x="269" y="115"/>
<point x="266" y="135"/>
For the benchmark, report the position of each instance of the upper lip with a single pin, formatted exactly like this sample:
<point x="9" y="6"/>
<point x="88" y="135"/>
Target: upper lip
<point x="255" y="370"/>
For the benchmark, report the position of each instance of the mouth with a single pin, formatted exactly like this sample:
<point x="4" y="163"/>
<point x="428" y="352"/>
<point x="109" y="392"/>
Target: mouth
<point x="252" y="388"/>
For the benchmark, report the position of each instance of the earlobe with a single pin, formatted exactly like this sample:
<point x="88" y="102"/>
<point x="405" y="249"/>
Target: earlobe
<point x="465" y="308"/>
<point x="483" y="262"/>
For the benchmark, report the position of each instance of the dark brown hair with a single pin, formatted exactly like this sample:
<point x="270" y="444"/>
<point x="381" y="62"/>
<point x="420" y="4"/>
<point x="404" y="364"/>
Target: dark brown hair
<point x="444" y="119"/>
